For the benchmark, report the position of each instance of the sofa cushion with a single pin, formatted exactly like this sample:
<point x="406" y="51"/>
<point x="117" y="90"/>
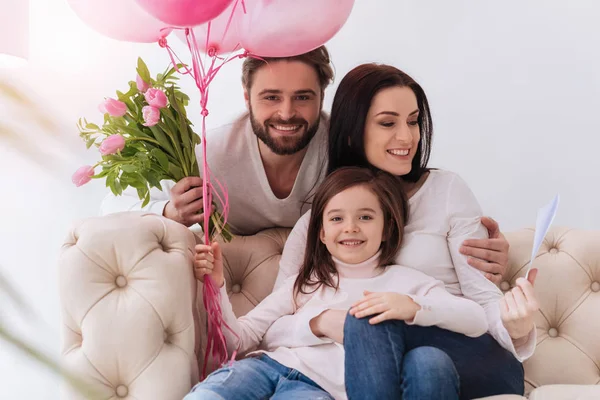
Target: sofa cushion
<point x="566" y="392"/>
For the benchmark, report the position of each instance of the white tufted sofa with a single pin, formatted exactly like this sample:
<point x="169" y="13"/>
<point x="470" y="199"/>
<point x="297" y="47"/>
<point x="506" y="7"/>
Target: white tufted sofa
<point x="132" y="320"/>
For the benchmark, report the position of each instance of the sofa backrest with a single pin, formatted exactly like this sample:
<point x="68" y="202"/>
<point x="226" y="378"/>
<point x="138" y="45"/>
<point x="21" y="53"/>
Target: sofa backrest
<point x="568" y="288"/>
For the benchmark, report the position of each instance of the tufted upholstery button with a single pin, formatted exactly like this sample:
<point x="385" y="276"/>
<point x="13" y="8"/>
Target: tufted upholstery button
<point x="236" y="288"/>
<point x="165" y="337"/>
<point x="121" y="281"/>
<point x="553" y="250"/>
<point x="595" y="286"/>
<point x="505" y="286"/>
<point x="122" y="391"/>
<point x="553" y="332"/>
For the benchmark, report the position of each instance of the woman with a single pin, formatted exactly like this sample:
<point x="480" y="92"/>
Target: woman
<point x="381" y="119"/>
<point x="355" y="231"/>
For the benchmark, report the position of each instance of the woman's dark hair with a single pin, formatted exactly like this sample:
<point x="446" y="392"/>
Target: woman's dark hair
<point x="349" y="111"/>
<point x="318" y="267"/>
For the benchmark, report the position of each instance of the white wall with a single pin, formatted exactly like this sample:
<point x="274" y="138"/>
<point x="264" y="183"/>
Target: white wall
<point x="514" y="87"/>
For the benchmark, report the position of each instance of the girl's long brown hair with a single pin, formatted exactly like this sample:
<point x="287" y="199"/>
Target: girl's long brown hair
<point x="318" y="267"/>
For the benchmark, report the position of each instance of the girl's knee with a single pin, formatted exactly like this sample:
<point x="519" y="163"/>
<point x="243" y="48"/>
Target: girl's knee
<point x="362" y="325"/>
<point x="432" y="361"/>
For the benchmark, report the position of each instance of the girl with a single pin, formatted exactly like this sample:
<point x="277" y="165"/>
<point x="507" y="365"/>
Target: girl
<point x="355" y="230"/>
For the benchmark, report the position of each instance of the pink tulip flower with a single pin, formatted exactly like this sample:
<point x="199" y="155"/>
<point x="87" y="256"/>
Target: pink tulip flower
<point x="83" y="175"/>
<point x="151" y="115"/>
<point x="114" y="108"/>
<point x="156" y="98"/>
<point x="112" y="144"/>
<point x="141" y="84"/>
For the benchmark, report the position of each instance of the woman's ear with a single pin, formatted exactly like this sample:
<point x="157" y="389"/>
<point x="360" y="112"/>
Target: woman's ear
<point x="322" y="235"/>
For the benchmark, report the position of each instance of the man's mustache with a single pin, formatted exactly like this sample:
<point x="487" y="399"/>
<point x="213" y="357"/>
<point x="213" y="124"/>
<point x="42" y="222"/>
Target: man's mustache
<point x="293" y="121"/>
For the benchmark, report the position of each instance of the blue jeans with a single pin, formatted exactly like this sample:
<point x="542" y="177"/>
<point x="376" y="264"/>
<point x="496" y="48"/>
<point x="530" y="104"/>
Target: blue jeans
<point x="257" y="378"/>
<point x="393" y="360"/>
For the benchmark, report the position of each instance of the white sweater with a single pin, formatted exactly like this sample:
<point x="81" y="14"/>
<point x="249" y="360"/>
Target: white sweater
<point x="234" y="159"/>
<point x="443" y="213"/>
<point x="321" y="359"/>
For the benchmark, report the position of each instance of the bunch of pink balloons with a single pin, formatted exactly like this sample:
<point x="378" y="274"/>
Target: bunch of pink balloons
<point x="268" y="28"/>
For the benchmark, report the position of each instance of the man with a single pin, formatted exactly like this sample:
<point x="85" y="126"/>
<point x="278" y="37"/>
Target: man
<point x="273" y="158"/>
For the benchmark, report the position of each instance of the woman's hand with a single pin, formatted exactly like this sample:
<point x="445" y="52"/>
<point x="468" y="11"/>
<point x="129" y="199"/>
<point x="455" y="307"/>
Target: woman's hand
<point x="386" y="305"/>
<point x="519" y="306"/>
<point x="208" y="260"/>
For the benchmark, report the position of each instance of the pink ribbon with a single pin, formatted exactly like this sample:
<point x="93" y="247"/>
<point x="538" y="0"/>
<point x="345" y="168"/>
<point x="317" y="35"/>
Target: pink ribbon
<point x="216" y="346"/>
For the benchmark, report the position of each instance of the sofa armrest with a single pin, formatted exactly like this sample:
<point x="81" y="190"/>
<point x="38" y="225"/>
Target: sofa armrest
<point x="127" y="295"/>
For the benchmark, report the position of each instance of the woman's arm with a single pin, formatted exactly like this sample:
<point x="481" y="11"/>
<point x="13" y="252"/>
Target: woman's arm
<point x="464" y="215"/>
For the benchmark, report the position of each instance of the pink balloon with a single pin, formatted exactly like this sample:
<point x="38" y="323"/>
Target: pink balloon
<point x="184" y="13"/>
<point x="284" y="28"/>
<point x="120" y="19"/>
<point x="223" y="39"/>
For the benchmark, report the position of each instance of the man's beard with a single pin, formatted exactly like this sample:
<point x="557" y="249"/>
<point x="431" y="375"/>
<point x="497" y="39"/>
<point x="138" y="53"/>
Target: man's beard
<point x="283" y="145"/>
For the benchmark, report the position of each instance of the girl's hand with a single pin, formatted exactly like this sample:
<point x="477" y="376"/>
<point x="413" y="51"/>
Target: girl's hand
<point x="387" y="305"/>
<point x="519" y="306"/>
<point x="208" y="260"/>
<point x="330" y="323"/>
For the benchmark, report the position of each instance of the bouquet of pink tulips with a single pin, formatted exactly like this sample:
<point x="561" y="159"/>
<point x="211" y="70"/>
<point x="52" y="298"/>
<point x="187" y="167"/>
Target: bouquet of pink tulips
<point x="146" y="137"/>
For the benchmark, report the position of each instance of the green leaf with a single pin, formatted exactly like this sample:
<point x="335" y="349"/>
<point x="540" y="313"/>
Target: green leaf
<point x="90" y="142"/>
<point x="182" y="96"/>
<point x="142" y="70"/>
<point x="162" y="158"/>
<point x="91" y="126"/>
<point x="183" y="130"/>
<point x="118" y="188"/>
<point x="110" y="180"/>
<point x="173" y="70"/>
<point x="162" y="139"/>
<point x="146" y="199"/>
<point x="133" y="130"/>
<point x="176" y="172"/>
<point x="129" y="168"/>
<point x="152" y="180"/>
<point x="132" y="180"/>
<point x="102" y="174"/>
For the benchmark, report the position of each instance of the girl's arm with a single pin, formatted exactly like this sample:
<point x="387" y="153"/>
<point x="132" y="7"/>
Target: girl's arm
<point x="428" y="304"/>
<point x="250" y="329"/>
<point x="244" y="333"/>
<point x="440" y="308"/>
<point x="464" y="216"/>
